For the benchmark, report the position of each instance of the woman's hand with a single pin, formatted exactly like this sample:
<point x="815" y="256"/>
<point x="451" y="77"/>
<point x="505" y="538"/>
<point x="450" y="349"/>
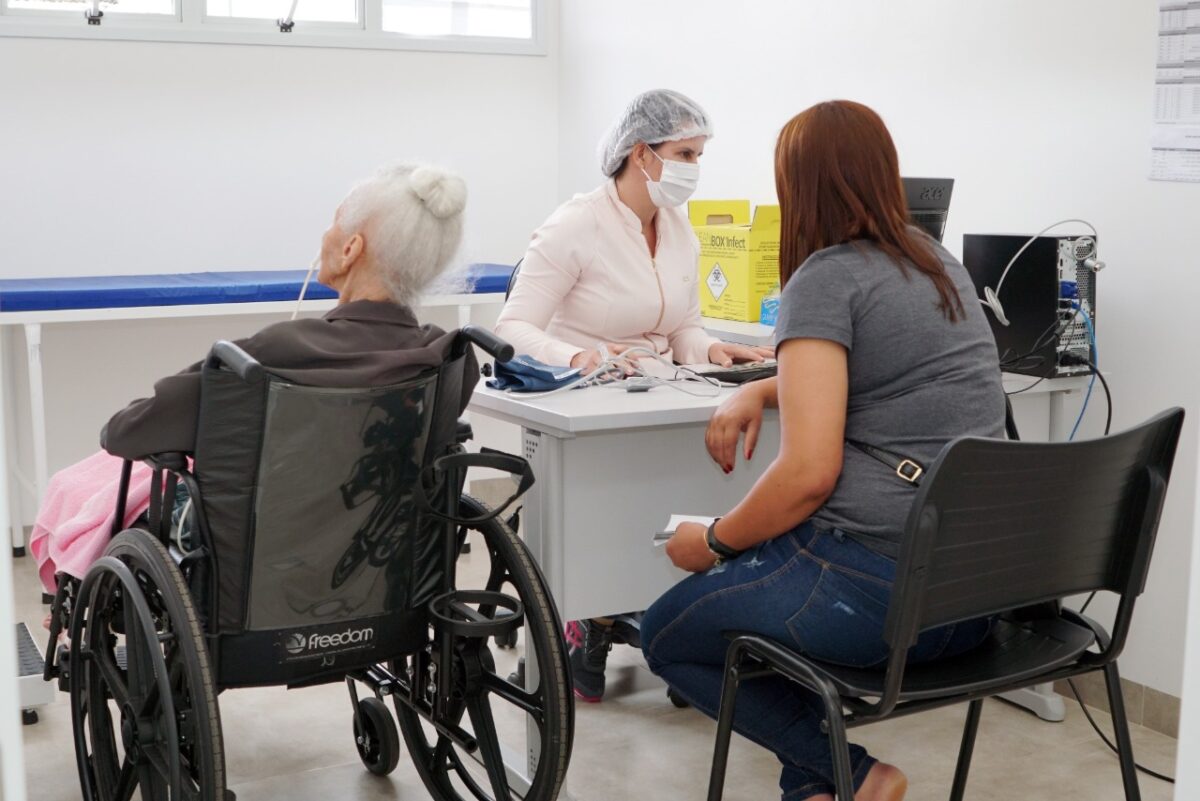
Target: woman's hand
<point x="589" y="360"/>
<point x="726" y="353"/>
<point x="743" y="411"/>
<point x="688" y="550"/>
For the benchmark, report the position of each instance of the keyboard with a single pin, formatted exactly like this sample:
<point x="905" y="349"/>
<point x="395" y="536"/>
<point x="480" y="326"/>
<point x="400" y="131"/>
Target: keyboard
<point x="742" y="373"/>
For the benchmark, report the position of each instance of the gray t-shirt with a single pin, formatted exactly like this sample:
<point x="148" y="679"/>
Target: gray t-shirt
<point x="916" y="379"/>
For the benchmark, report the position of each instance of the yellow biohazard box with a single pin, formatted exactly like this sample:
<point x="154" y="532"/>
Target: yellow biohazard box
<point x="739" y="256"/>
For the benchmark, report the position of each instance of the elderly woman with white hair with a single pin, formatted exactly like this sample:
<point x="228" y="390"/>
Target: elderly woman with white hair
<point x="392" y="236"/>
<point x="616" y="269"/>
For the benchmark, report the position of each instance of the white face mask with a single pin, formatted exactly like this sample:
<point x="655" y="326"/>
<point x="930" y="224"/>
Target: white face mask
<point x="678" y="182"/>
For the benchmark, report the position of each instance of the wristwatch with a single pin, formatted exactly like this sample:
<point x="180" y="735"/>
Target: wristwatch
<point x="718" y="549"/>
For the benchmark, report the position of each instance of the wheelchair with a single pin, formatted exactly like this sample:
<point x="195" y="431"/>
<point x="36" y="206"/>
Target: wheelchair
<point x="327" y="528"/>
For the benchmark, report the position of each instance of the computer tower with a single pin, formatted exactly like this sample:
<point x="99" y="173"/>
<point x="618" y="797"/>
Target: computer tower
<point x="1045" y="295"/>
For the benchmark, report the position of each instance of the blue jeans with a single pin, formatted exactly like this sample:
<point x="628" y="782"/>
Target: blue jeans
<point x="816" y="591"/>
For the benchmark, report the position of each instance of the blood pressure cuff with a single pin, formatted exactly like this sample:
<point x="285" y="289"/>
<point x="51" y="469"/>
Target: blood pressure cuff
<point x="526" y="374"/>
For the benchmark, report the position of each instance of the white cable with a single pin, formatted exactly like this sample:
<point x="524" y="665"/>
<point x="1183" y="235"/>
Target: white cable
<point x="678" y="384"/>
<point x="304" y="288"/>
<point x="610" y="364"/>
<point x="287" y="21"/>
<point x="991" y="297"/>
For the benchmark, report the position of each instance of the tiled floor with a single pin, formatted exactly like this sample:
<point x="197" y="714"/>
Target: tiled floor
<point x="297" y="746"/>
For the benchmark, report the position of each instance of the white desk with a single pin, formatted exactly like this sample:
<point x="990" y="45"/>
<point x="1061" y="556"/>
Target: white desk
<point x="31" y="323"/>
<point x="611" y="466"/>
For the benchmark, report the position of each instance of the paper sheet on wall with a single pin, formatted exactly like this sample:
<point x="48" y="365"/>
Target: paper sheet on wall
<point x="1175" y="143"/>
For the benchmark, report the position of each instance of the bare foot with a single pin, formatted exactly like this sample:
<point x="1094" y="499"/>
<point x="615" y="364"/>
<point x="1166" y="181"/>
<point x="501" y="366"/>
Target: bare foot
<point x="883" y="783"/>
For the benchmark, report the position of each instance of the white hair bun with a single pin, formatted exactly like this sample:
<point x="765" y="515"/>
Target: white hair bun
<point x="443" y="193"/>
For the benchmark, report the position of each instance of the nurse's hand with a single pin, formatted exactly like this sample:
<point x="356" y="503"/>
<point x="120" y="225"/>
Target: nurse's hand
<point x="687" y="549"/>
<point x="743" y="411"/>
<point x="726" y="353"/>
<point x="589" y="360"/>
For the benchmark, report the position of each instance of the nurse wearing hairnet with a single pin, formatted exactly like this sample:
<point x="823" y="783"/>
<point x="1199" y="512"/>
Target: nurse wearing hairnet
<point x="617" y="268"/>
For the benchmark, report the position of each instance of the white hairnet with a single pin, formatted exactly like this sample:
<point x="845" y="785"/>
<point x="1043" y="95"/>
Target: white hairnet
<point x="659" y="115"/>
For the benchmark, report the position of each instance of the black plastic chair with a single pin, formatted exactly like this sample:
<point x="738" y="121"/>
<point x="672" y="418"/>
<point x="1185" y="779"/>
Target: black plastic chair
<point x="996" y="526"/>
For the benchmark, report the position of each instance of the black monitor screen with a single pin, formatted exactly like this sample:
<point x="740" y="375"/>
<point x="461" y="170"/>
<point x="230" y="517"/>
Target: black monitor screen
<point x="929" y="203"/>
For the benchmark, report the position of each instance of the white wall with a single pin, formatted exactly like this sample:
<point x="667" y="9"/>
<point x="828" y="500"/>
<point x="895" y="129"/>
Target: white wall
<point x="124" y="157"/>
<point x="1040" y="111"/>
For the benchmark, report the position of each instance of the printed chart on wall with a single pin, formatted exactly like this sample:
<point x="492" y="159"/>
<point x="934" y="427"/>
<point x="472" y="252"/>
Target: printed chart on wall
<point x="1176" y="139"/>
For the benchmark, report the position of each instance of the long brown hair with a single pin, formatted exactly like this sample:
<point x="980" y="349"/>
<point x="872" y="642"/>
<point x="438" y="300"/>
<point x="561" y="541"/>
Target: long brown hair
<point x="838" y="180"/>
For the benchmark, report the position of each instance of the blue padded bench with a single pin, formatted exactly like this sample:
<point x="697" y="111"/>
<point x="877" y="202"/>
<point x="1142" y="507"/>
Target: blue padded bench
<point x="192" y="289"/>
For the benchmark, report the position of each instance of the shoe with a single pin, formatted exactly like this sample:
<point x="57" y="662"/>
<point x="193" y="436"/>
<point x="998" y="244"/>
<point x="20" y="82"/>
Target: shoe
<point x="590" y="643"/>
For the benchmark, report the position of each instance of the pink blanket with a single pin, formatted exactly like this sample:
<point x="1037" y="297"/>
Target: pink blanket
<point x="75" y="521"/>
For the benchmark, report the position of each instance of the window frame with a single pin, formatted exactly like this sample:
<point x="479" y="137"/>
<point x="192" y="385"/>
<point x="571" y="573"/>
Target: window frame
<point x="190" y="24"/>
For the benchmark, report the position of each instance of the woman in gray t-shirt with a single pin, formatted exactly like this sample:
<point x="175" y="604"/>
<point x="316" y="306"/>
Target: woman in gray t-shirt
<point x="881" y="349"/>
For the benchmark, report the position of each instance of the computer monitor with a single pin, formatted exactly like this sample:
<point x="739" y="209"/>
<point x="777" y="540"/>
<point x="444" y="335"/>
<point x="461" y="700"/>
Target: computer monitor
<point x="929" y="203"/>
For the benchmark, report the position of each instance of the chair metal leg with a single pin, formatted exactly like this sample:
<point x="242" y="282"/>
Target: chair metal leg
<point x="974" y="710"/>
<point x="835" y="728"/>
<point x="1116" y="703"/>
<point x="716" y="779"/>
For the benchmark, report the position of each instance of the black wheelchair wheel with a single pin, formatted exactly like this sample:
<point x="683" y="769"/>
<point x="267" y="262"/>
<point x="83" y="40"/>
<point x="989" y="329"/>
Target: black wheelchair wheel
<point x="376" y="737"/>
<point x="143" y="702"/>
<point x="486" y="701"/>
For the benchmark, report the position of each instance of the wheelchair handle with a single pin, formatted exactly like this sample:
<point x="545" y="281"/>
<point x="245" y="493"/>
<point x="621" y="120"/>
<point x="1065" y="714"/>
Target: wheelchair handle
<point x="226" y="353"/>
<point x="491" y="344"/>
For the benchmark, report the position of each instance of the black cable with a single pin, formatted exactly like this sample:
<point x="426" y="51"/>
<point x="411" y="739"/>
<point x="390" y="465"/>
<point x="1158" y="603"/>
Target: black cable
<point x="1113" y="748"/>
<point x="1026" y="389"/>
<point x="1107" y="396"/>
<point x="1044" y="339"/>
<point x="1087" y="603"/>
<point x="1107" y="427"/>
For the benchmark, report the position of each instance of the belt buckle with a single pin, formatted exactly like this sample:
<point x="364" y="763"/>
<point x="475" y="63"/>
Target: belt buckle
<point x="909" y="470"/>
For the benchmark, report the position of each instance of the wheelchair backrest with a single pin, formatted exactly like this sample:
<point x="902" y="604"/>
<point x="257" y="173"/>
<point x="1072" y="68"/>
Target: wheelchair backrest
<point x="308" y="499"/>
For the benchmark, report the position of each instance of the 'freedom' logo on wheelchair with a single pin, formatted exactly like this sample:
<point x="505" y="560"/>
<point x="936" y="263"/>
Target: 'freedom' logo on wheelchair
<point x="300" y="645"/>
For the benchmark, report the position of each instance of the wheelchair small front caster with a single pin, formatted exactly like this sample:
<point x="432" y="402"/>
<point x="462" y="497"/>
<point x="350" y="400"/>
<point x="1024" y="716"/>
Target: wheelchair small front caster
<point x="376" y="736"/>
<point x="677" y="700"/>
<point x="506" y="640"/>
<point x="29" y="717"/>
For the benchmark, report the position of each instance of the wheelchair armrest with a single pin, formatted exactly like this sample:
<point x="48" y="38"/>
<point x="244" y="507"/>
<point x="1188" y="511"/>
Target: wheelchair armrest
<point x="487" y="457"/>
<point x="491" y="344"/>
<point x="175" y="461"/>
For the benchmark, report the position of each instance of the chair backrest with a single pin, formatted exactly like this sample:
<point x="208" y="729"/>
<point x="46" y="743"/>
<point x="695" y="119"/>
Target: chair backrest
<point x="512" y="279"/>
<point x="1000" y="524"/>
